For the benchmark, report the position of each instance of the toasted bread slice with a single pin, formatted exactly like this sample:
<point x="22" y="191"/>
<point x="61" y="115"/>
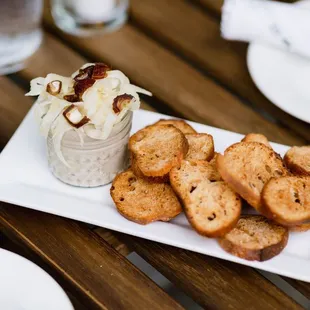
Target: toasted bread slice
<point x="178" y="123"/>
<point x="211" y="207"/>
<point x="287" y="200"/>
<point x="212" y="162"/>
<point x="143" y="202"/>
<point x="301" y="228"/>
<point x="190" y="174"/>
<point x="136" y="170"/>
<point x="255" y="238"/>
<point x="157" y="149"/>
<point x="201" y="146"/>
<point x="297" y="160"/>
<point x="256" y="137"/>
<point x="247" y="167"/>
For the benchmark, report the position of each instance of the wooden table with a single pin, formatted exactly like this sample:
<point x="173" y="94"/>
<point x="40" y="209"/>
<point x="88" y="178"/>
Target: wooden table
<point x="174" y="49"/>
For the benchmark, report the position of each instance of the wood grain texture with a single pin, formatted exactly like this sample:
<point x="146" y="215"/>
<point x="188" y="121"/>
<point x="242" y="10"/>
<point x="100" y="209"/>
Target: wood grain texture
<point x="97" y="272"/>
<point x="213" y="6"/>
<point x="214" y="283"/>
<point x="176" y="83"/>
<point x="11" y="246"/>
<point x="52" y="49"/>
<point x="190" y="32"/>
<point x="13" y="107"/>
<point x="56" y="57"/>
<point x="115" y="242"/>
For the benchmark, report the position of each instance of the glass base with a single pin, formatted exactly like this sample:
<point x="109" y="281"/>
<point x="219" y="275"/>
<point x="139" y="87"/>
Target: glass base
<point x="12" y="68"/>
<point x="69" y="24"/>
<point x="17" y="50"/>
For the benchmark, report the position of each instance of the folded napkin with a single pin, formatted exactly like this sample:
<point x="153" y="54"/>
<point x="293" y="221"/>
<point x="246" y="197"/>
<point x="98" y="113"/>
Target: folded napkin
<point x="284" y="25"/>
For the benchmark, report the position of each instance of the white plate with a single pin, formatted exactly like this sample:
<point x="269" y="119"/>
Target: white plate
<point x="25" y="286"/>
<point x="26" y="181"/>
<point x="281" y="76"/>
<point x="284" y="78"/>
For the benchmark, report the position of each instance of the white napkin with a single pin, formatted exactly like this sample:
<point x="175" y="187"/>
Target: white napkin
<point x="286" y="26"/>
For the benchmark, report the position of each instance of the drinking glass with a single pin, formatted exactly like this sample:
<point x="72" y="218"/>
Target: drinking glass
<point x="88" y="17"/>
<point x="20" y="33"/>
<point x="94" y="163"/>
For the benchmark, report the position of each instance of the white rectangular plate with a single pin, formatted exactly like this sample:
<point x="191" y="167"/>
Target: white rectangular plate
<point x="26" y="181"/>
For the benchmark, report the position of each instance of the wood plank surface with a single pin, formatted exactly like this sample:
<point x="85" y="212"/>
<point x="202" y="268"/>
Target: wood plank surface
<point x="13" y="107"/>
<point x="213" y="6"/>
<point x="197" y="98"/>
<point x="54" y="50"/>
<point x="96" y="272"/>
<point x="195" y="35"/>
<point x="11" y="246"/>
<point x="175" y="82"/>
<point x="213" y="283"/>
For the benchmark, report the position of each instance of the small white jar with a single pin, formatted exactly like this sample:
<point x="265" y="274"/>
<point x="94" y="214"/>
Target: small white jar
<point x="95" y="163"/>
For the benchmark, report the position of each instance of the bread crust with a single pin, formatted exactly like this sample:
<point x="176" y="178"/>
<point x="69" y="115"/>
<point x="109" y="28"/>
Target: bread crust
<point x="235" y="185"/>
<point x="301" y="228"/>
<point x="143" y="202"/>
<point x="215" y="233"/>
<point x="135" y="168"/>
<point x="262" y="254"/>
<point x="204" y="171"/>
<point x="178" y="123"/>
<point x="201" y="146"/>
<point x="258" y="255"/>
<point x="256" y="137"/>
<point x="213" y="162"/>
<point x="284" y="198"/>
<point x="240" y="181"/>
<point x="211" y="207"/>
<point x="177" y="151"/>
<point x="297" y="159"/>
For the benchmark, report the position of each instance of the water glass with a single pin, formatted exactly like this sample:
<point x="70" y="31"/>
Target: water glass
<point x="88" y="17"/>
<point x="20" y="33"/>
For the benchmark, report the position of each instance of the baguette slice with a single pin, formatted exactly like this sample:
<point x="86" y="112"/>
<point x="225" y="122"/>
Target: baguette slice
<point x="256" y="137"/>
<point x="201" y="146"/>
<point x="157" y="149"/>
<point x="301" y="228"/>
<point x="287" y="200"/>
<point x="255" y="238"/>
<point x="143" y="202"/>
<point x="247" y="167"/>
<point x="297" y="160"/>
<point x="136" y="170"/>
<point x="178" y="123"/>
<point x="212" y="162"/>
<point x="211" y="207"/>
<point x="190" y="174"/>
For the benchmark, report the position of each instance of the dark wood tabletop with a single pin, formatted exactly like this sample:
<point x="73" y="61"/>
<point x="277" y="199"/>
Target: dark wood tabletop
<point x="174" y="49"/>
